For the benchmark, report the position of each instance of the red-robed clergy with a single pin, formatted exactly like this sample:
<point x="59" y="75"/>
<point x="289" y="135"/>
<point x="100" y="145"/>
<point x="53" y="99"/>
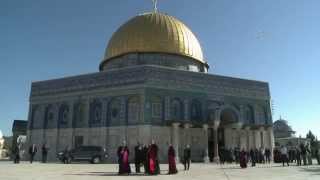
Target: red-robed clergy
<point x="172" y="160"/>
<point x="125" y="160"/>
<point x="153" y="162"/>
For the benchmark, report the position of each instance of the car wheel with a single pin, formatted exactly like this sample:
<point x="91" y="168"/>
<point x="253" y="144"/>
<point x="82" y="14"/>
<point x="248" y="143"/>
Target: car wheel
<point x="96" y="160"/>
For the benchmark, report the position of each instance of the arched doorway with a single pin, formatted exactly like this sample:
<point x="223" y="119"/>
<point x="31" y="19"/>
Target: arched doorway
<point x="228" y="117"/>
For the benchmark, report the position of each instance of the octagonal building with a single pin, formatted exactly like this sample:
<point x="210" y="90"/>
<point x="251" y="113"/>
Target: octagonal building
<point x="152" y="85"/>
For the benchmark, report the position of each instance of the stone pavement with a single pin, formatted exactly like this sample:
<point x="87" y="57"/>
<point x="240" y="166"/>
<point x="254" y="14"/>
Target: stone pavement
<point x="38" y="171"/>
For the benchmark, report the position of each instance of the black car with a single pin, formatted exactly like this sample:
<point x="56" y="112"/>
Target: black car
<point x="92" y="154"/>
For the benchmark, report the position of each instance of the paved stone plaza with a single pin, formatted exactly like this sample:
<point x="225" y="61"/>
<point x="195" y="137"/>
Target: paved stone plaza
<point x="37" y="171"/>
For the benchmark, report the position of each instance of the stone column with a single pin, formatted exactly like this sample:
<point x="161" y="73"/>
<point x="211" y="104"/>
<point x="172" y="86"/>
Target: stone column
<point x="262" y="139"/>
<point x="271" y="140"/>
<point x="167" y="108"/>
<point x="248" y="137"/>
<point x="176" y="139"/>
<point x="256" y="136"/>
<point x="70" y="123"/>
<point x="215" y="141"/>
<point x="187" y="134"/>
<point x="238" y="137"/>
<point x="186" y="110"/>
<point x="206" y="157"/>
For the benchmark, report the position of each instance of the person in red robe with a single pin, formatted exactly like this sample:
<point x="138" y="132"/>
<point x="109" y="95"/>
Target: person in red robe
<point x="172" y="160"/>
<point x="243" y="159"/>
<point x="152" y="158"/>
<point x="125" y="161"/>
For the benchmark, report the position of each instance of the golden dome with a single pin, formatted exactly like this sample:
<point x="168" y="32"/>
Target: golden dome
<point x="154" y="33"/>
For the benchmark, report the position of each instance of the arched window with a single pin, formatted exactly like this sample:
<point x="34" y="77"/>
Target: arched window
<point x="114" y="112"/>
<point x="156" y="107"/>
<point x="176" y="109"/>
<point x="49" y="117"/>
<point x="95" y="112"/>
<point x="228" y="116"/>
<point x="63" y="114"/>
<point x="266" y="120"/>
<point x="261" y="118"/>
<point x="35" y="117"/>
<point x="133" y="110"/>
<point x="78" y="114"/>
<point x="196" y="111"/>
<point x="212" y="107"/>
<point x="249" y="114"/>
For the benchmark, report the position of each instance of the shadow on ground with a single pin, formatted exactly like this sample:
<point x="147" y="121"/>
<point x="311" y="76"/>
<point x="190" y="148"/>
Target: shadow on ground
<point x="163" y="172"/>
<point x="314" y="170"/>
<point x="264" y="167"/>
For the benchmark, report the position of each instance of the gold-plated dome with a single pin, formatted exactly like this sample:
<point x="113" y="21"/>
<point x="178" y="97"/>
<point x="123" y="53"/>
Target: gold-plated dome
<point x="154" y="33"/>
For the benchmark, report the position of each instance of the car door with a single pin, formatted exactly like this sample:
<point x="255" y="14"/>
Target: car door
<point x="78" y="153"/>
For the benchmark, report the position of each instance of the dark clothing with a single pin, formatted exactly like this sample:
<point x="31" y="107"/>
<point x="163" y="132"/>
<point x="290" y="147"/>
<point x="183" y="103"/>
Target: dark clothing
<point x="253" y="157"/>
<point x="298" y="157"/>
<point x="318" y="156"/>
<point x="186" y="158"/>
<point x="66" y="156"/>
<point x="138" y="158"/>
<point x="303" y="154"/>
<point x="284" y="159"/>
<point x="32" y="152"/>
<point x="243" y="159"/>
<point x="236" y="154"/>
<point x="16" y="154"/>
<point x="172" y="160"/>
<point x="267" y="153"/>
<point x="144" y="159"/>
<point x="44" y="153"/>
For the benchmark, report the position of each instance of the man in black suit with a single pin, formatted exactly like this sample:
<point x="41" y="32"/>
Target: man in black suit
<point x="138" y="158"/>
<point x="186" y="157"/>
<point x="32" y="152"/>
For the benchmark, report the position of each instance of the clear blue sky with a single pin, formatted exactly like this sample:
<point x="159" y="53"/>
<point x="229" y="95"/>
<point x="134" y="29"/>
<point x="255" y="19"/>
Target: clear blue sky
<point x="268" y="40"/>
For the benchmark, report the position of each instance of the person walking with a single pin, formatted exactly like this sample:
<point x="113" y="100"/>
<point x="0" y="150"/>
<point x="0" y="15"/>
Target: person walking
<point x="172" y="160"/>
<point x="16" y="154"/>
<point x="243" y="159"/>
<point x="303" y="154"/>
<point x="253" y="157"/>
<point x="284" y="155"/>
<point x="145" y="159"/>
<point x="309" y="154"/>
<point x="187" y="157"/>
<point x="66" y="155"/>
<point x="32" y="152"/>
<point x="267" y="154"/>
<point x="138" y="157"/>
<point x="298" y="156"/>
<point x="318" y="154"/>
<point x="125" y="161"/>
<point x="44" y="151"/>
<point x="152" y="158"/>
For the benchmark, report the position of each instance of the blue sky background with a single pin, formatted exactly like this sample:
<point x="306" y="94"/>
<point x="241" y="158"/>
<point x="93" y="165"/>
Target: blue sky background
<point x="268" y="40"/>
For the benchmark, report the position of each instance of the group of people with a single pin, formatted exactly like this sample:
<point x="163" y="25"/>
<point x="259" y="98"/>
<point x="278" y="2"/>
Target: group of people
<point x="32" y="151"/>
<point x="243" y="157"/>
<point x="147" y="156"/>
<point x="301" y="155"/>
<point x="298" y="154"/>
